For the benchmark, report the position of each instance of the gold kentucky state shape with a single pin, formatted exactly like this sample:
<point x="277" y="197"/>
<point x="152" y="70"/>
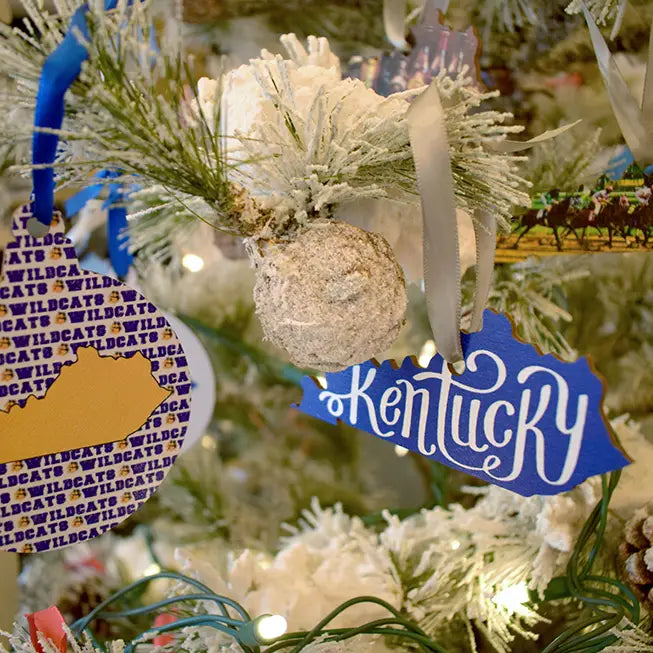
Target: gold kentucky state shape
<point x="94" y="400"/>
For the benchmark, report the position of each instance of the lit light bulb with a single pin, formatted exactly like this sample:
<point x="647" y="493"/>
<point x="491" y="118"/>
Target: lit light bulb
<point x="270" y="626"/>
<point x="209" y="443"/>
<point x="262" y="630"/>
<point x="151" y="570"/>
<point x="427" y="353"/>
<point x="400" y="452"/>
<point x="192" y="262"/>
<point x="513" y="598"/>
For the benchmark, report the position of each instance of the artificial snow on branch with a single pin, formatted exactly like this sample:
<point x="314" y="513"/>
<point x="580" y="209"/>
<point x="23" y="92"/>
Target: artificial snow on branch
<point x="21" y="643"/>
<point x="440" y="566"/>
<point x="603" y="11"/>
<point x="267" y="147"/>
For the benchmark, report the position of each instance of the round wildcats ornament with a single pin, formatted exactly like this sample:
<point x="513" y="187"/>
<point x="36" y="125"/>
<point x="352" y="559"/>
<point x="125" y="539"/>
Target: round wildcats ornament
<point x="94" y="395"/>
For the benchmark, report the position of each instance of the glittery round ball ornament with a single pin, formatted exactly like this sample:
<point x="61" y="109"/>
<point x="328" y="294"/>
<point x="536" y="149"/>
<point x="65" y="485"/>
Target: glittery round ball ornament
<point x="333" y="297"/>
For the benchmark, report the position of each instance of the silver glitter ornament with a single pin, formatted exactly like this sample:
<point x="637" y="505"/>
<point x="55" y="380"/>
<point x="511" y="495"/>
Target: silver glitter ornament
<point x="333" y="297"/>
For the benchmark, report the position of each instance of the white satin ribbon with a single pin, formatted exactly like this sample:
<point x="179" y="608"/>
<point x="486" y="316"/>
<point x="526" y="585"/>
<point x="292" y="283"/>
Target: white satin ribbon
<point x="428" y="137"/>
<point x="441" y="257"/>
<point x="485" y="231"/>
<point x="635" y="119"/>
<point x="394" y="21"/>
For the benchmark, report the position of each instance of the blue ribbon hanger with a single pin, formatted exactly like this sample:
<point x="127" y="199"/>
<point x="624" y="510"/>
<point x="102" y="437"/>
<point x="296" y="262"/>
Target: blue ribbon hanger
<point x="60" y="70"/>
<point x="117" y="237"/>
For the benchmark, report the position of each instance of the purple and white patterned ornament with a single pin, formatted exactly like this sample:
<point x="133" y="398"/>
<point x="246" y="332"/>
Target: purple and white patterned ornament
<point x="94" y="395"/>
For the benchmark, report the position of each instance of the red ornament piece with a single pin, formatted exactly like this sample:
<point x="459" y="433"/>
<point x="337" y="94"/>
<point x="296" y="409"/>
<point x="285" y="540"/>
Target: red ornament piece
<point x="50" y="624"/>
<point x="164" y="620"/>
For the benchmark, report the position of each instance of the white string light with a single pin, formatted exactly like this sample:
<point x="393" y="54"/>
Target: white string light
<point x="270" y="626"/>
<point x="151" y="570"/>
<point x="512" y="598"/>
<point x="209" y="443"/>
<point x="192" y="262"/>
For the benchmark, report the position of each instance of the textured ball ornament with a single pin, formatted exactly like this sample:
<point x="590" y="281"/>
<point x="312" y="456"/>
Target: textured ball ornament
<point x="333" y="297"/>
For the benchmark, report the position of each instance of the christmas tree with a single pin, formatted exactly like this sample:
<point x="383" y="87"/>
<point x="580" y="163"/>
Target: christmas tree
<point x="256" y="170"/>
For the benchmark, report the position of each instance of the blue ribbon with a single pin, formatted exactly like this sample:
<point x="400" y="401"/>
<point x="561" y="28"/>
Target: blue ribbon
<point x="117" y="236"/>
<point x="60" y="70"/>
<point x="620" y="163"/>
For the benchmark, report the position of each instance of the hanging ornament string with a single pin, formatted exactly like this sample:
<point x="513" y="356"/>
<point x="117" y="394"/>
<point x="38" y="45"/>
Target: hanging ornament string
<point x="121" y="258"/>
<point x="428" y="137"/>
<point x="60" y="70"/>
<point x="635" y="119"/>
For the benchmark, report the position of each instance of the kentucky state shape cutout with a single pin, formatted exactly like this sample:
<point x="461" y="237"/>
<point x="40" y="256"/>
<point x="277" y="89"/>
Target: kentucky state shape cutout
<point x="55" y="423"/>
<point x="94" y="396"/>
<point x="515" y="418"/>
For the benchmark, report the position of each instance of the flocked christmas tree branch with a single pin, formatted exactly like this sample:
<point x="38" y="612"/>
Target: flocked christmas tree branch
<point x="477" y="553"/>
<point x="613" y="608"/>
<point x="137" y="111"/>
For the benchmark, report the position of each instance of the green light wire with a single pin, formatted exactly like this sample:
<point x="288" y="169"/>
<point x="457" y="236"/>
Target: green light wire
<point x="609" y="607"/>
<point x="82" y="624"/>
<point x="377" y="627"/>
<point x="134" y="612"/>
<point x="610" y="600"/>
<point x="194" y="622"/>
<point x="396" y="626"/>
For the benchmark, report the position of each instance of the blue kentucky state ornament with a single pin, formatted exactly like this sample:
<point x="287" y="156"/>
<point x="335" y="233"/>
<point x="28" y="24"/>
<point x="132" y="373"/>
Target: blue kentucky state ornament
<point x="527" y="422"/>
<point x="94" y="395"/>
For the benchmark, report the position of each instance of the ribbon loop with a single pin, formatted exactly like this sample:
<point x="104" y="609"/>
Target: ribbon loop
<point x="635" y="119"/>
<point x="428" y="138"/>
<point x="396" y="15"/>
<point x="394" y="21"/>
<point x="60" y="70"/>
<point x="118" y="239"/>
<point x="485" y="231"/>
